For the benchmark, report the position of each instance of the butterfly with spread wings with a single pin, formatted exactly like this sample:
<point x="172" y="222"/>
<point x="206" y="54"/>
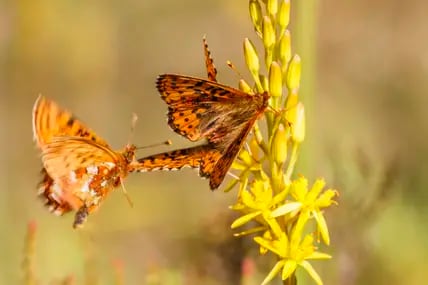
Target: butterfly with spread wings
<point x="79" y="167"/>
<point x="204" y="109"/>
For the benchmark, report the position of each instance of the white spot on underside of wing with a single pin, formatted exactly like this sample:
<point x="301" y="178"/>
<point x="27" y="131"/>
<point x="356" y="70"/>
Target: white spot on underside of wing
<point x="85" y="187"/>
<point x="92" y="169"/>
<point x="109" y="164"/>
<point x="73" y="177"/>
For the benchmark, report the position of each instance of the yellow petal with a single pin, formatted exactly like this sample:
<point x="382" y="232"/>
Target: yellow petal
<point x="288" y="269"/>
<point x="322" y="226"/>
<point x="285" y="209"/>
<point x="318" y="255"/>
<point x="269" y="245"/>
<point x="244" y="219"/>
<point x="275" y="271"/>
<point x="308" y="267"/>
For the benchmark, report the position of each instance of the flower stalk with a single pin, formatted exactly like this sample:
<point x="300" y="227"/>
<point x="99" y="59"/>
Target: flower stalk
<point x="286" y="212"/>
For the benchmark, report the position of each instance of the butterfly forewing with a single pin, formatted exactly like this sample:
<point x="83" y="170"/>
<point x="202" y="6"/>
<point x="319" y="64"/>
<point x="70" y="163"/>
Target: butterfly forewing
<point x="50" y="121"/>
<point x="200" y="108"/>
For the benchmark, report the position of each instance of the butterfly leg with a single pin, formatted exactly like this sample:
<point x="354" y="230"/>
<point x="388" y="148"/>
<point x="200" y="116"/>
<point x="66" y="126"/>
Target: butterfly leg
<point x="80" y="217"/>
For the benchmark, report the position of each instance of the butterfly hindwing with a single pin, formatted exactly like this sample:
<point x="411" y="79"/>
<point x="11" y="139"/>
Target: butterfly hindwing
<point x="65" y="154"/>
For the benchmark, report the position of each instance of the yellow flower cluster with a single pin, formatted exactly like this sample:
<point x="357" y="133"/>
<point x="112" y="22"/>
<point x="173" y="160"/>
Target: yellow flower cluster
<point x="283" y="211"/>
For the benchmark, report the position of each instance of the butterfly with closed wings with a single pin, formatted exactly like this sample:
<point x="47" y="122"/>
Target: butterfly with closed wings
<point x="79" y="167"/>
<point x="205" y="109"/>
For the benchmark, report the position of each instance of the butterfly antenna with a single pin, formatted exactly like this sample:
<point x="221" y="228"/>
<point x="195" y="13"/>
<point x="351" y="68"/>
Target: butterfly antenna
<point x="167" y="142"/>
<point x="128" y="198"/>
<point x="233" y="67"/>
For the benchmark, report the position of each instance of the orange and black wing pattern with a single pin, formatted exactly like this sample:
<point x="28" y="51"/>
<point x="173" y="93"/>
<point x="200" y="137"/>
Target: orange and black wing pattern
<point x="79" y="168"/>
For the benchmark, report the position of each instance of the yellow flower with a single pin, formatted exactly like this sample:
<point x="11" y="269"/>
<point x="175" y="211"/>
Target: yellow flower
<point x="257" y="204"/>
<point x="309" y="202"/>
<point x="291" y="255"/>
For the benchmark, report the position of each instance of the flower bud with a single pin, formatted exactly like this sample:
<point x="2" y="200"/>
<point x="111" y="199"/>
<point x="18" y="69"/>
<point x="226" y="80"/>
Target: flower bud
<point x="284" y="50"/>
<point x="279" y="145"/>
<point x="284" y="14"/>
<point x="244" y="87"/>
<point x="298" y="129"/>
<point x="251" y="58"/>
<point x="272" y="7"/>
<point x="275" y="80"/>
<point x="256" y="15"/>
<point x="269" y="36"/>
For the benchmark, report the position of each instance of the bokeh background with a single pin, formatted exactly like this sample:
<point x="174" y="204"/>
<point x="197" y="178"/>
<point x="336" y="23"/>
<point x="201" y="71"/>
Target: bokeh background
<point x="365" y="85"/>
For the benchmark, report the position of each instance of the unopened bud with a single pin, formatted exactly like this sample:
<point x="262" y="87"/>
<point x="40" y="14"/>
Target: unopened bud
<point x="279" y="145"/>
<point x="275" y="80"/>
<point x="256" y="15"/>
<point x="244" y="87"/>
<point x="284" y="14"/>
<point x="269" y="36"/>
<point x="272" y="7"/>
<point x="251" y="58"/>
<point x="298" y="129"/>
<point x="285" y="48"/>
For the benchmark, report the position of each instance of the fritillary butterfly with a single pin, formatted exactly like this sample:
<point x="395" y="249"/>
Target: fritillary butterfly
<point x="204" y="109"/>
<point x="79" y="167"/>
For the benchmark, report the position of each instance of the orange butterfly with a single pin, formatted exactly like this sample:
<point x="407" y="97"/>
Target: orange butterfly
<point x="204" y="109"/>
<point x="79" y="168"/>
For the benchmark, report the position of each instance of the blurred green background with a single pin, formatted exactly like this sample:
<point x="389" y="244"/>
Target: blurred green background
<point x="367" y="136"/>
